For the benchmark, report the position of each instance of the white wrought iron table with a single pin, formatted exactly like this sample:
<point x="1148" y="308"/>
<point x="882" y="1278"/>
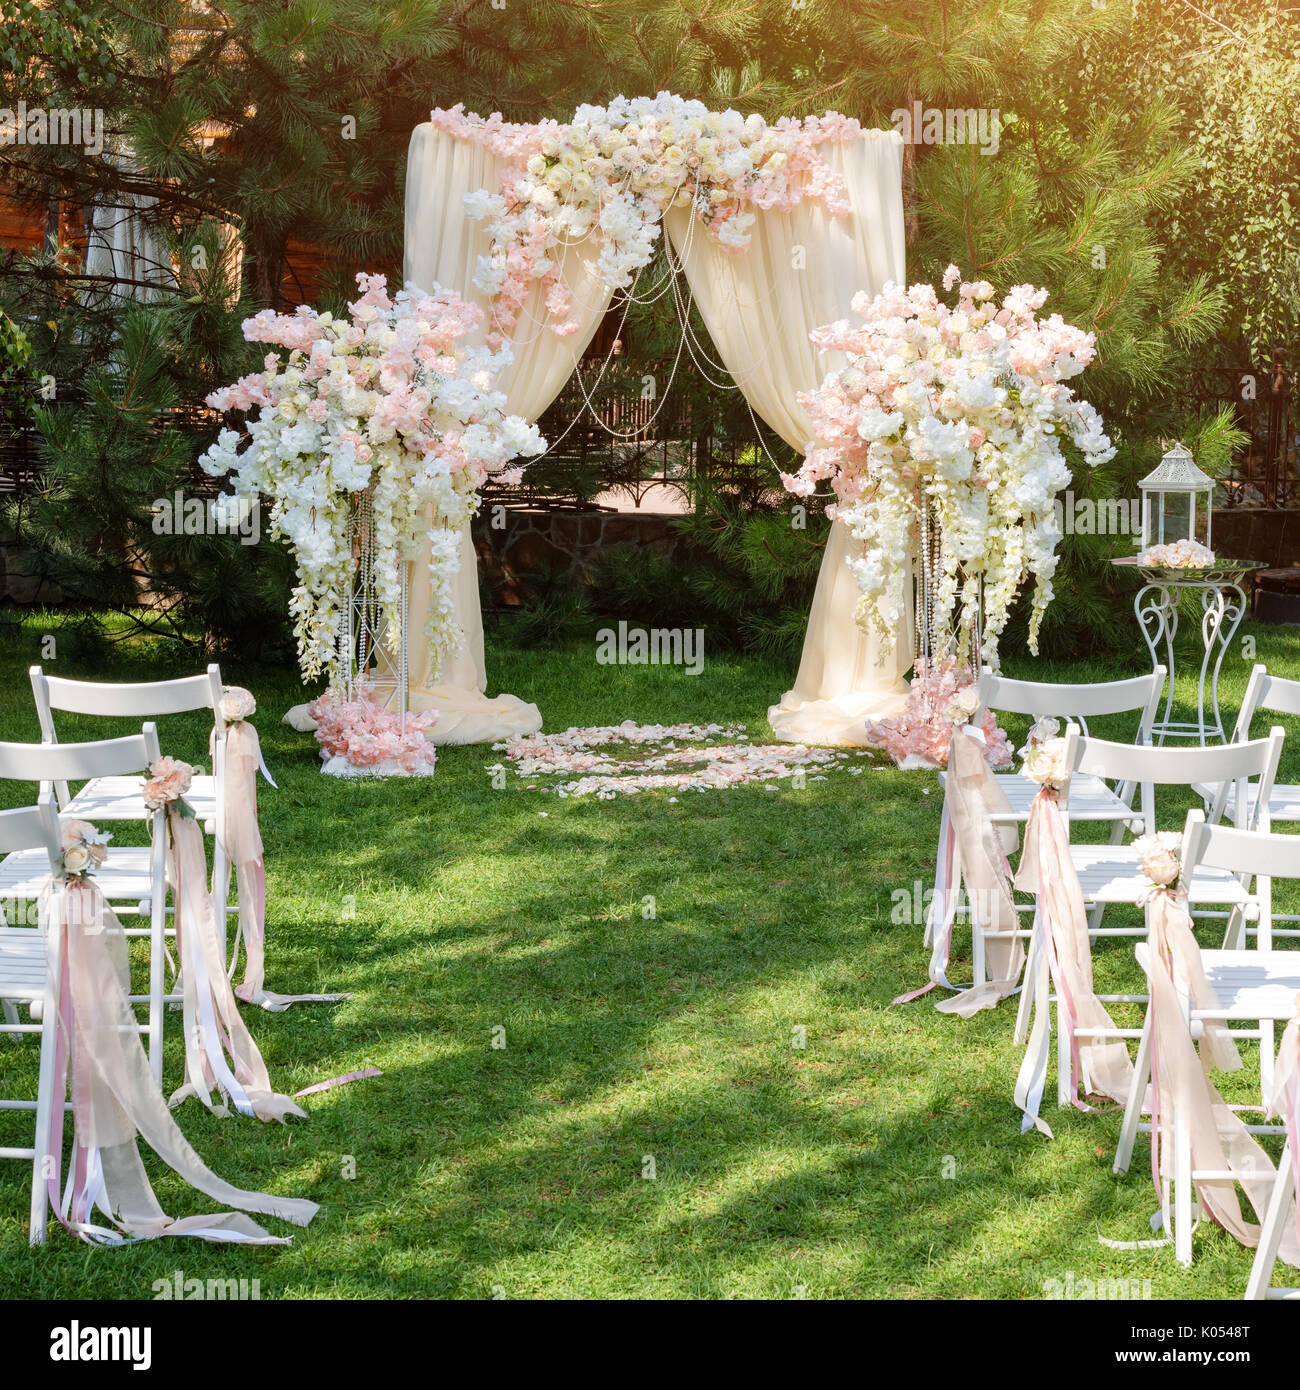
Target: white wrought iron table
<point x="1223" y="605"/>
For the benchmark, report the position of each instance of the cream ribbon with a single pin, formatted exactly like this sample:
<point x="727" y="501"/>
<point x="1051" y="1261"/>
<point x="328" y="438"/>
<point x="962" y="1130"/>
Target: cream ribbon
<point x="220" y="1052"/>
<point x="1062" y="955"/>
<point x="968" y="832"/>
<point x="1180" y="1081"/>
<point x="241" y="842"/>
<point x="115" y="1099"/>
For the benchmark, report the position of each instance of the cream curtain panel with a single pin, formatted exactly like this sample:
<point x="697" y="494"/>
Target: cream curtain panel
<point x="443" y="247"/>
<point x="801" y="270"/>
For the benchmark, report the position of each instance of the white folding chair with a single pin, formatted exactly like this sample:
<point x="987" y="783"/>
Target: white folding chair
<point x="1278" y="696"/>
<point x="118" y="798"/>
<point x="31" y="966"/>
<point x="1112" y="873"/>
<point x="1255" y="987"/>
<point x="1093" y="798"/>
<point x="132" y="876"/>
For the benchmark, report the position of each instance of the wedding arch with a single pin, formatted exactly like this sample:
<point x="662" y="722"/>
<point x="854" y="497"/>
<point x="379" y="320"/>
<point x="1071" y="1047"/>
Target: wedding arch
<point x="821" y="220"/>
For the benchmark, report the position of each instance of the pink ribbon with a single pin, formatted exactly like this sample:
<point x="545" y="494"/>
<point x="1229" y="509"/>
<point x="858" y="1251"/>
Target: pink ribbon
<point x="1063" y="957"/>
<point x="241" y="840"/>
<point x="220" y="1053"/>
<point x="1180" y="1081"/>
<point x="967" y="829"/>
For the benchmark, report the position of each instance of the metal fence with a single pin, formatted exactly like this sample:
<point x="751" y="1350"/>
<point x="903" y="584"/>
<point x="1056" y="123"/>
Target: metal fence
<point x="1267" y="472"/>
<point x="611" y="431"/>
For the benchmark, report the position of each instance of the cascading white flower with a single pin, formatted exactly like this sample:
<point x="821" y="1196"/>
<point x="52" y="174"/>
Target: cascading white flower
<point x="958" y="412"/>
<point x="388" y="403"/>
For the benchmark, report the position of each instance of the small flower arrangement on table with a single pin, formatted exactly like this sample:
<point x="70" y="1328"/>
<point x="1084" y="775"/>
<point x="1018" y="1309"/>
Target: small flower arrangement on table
<point x="1182" y="554"/>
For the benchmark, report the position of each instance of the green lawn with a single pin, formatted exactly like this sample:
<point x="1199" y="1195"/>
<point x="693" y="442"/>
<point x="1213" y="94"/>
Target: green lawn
<point x="882" y="1159"/>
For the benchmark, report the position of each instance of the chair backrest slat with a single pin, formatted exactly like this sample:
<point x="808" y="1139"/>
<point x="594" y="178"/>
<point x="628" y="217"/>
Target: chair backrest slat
<point x="139" y="700"/>
<point x="1228" y="766"/>
<point x="1239" y="851"/>
<point x="1272" y="693"/>
<point x="1074" y="701"/>
<point x="62" y="762"/>
<point x="31" y="827"/>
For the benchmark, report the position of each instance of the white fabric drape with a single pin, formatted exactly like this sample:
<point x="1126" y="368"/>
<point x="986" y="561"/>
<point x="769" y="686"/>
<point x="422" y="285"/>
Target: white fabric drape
<point x="443" y="247"/>
<point x="801" y="270"/>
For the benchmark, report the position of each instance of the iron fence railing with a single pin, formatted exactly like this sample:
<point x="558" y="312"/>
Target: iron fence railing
<point x="1267" y="472"/>
<point x="611" y="431"/>
<point x="21" y="473"/>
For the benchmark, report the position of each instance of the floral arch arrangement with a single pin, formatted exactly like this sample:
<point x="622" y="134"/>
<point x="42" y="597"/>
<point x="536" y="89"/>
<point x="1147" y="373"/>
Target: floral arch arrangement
<point x="367" y="423"/>
<point x="613" y="171"/>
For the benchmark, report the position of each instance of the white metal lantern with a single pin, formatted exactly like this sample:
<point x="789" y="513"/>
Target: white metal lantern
<point x="1176" y="500"/>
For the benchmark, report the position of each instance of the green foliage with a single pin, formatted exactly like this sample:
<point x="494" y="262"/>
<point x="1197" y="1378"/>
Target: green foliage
<point x="53" y="48"/>
<point x="1229" y="72"/>
<point x="113" y="444"/>
<point x="741" y="569"/>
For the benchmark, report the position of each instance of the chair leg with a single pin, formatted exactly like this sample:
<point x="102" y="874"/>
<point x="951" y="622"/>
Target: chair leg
<point x="1267" y="1055"/>
<point x="1133" y="1110"/>
<point x="1234" y="935"/>
<point x="1025" y="1010"/>
<point x="1182" y="1191"/>
<point x="45" y="1097"/>
<point x="1270" y="1236"/>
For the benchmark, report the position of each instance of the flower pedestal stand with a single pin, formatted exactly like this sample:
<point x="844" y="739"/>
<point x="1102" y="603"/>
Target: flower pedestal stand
<point x="363" y="724"/>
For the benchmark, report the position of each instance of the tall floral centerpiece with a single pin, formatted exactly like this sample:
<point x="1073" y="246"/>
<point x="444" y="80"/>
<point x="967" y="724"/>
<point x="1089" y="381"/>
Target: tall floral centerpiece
<point x="363" y="424"/>
<point x="942" y="440"/>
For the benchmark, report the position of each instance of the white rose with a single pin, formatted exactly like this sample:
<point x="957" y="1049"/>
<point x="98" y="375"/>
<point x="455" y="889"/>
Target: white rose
<point x="963" y="704"/>
<point x="237" y="704"/>
<point x="1045" y="763"/>
<point x="76" y="859"/>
